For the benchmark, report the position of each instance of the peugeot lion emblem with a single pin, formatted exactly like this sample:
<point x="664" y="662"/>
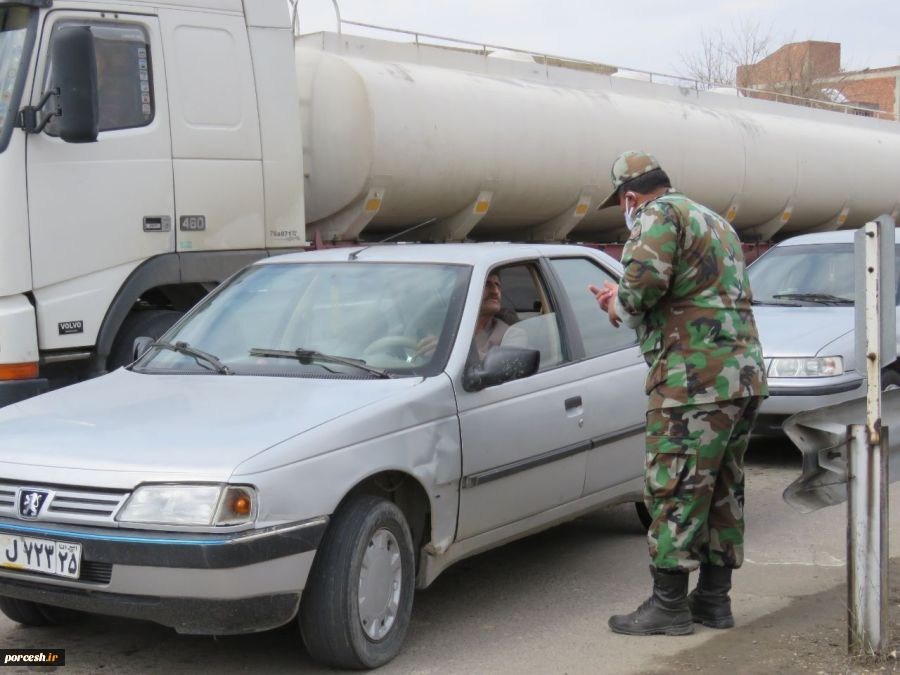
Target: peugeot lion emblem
<point x="30" y="502"/>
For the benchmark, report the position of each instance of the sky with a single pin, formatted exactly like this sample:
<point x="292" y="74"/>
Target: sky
<point x="653" y="35"/>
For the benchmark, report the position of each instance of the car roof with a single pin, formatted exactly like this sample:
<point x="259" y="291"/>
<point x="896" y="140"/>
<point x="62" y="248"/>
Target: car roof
<point x="467" y="254"/>
<point x="836" y="237"/>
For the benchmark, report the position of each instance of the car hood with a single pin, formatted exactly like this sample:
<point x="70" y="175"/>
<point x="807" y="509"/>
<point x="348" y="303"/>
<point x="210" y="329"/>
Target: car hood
<point x="800" y="331"/>
<point x="126" y="427"/>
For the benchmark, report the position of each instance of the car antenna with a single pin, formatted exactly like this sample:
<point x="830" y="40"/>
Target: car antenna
<point x="355" y="254"/>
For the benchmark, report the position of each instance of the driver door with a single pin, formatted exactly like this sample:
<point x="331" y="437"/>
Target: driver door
<point x="524" y="444"/>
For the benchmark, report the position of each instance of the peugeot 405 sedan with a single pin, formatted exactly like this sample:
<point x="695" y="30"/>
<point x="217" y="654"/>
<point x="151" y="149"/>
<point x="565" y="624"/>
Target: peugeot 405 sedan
<point x="320" y="436"/>
<point x="803" y="293"/>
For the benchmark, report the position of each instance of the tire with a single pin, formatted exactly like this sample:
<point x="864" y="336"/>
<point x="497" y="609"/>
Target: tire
<point x="30" y="613"/>
<point x="148" y="323"/>
<point x="890" y="379"/>
<point x="331" y="613"/>
<point x="643" y="514"/>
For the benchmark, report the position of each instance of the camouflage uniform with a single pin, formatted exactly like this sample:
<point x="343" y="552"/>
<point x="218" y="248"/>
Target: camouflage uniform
<point x="686" y="292"/>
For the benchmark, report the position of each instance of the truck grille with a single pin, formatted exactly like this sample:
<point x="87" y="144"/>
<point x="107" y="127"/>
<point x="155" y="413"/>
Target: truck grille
<point x="66" y="504"/>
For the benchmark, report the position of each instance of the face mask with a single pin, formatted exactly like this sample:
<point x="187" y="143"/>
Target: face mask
<point x="630" y="210"/>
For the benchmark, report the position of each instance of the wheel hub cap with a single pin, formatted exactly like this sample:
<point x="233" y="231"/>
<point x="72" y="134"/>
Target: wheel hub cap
<point x="379" y="584"/>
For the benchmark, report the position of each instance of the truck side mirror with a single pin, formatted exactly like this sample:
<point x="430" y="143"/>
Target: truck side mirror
<point x="74" y="75"/>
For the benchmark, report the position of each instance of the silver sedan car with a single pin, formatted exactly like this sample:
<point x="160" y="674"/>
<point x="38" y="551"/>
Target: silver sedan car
<point x="803" y="292"/>
<point x="320" y="436"/>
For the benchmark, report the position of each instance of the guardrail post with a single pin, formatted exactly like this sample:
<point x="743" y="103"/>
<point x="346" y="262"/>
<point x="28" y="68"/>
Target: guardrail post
<point x="867" y="543"/>
<point x="867" y="533"/>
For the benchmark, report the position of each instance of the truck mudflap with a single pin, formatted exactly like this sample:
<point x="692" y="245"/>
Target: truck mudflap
<point x="13" y="391"/>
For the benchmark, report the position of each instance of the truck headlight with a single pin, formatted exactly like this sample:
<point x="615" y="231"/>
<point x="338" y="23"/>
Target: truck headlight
<point x="821" y="366"/>
<point x="190" y="505"/>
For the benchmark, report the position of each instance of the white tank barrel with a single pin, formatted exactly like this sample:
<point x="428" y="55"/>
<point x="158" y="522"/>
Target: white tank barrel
<point x="499" y="148"/>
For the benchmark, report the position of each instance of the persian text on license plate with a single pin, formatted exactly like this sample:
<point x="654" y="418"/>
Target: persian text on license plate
<point x="59" y="558"/>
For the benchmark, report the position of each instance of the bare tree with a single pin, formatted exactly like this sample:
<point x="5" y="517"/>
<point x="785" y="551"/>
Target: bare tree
<point x="716" y="61"/>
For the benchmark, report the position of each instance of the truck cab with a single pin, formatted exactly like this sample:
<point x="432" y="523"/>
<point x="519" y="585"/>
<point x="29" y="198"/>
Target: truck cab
<point x="175" y="177"/>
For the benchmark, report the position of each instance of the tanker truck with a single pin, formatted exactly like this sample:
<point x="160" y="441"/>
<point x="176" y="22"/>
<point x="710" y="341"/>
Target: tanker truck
<point x="150" y="148"/>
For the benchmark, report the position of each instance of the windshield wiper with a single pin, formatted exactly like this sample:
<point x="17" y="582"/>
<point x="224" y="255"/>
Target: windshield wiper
<point x="198" y="355"/>
<point x="822" y="298"/>
<point x="774" y="302"/>
<point x="306" y="356"/>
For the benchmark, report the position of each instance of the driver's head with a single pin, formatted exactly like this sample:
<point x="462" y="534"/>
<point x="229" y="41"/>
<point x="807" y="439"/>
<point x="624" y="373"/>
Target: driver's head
<point x="491" y="296"/>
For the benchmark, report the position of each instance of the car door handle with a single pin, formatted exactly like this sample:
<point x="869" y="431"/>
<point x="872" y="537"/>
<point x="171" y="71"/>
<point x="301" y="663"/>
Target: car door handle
<point x="572" y="403"/>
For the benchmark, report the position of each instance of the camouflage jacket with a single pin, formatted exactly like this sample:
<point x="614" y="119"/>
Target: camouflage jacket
<point x="686" y="292"/>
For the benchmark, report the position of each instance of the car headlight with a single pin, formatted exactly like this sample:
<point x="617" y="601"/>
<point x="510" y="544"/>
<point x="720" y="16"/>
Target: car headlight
<point x="822" y="366"/>
<point x="191" y="505"/>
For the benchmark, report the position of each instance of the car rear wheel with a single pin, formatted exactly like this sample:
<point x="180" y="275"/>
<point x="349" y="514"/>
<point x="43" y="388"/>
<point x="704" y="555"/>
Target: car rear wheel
<point x="358" y="599"/>
<point x="30" y="613"/>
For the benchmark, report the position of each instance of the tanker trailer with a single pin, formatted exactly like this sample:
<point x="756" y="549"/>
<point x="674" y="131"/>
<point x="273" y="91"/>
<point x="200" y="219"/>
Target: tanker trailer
<point x="494" y="148"/>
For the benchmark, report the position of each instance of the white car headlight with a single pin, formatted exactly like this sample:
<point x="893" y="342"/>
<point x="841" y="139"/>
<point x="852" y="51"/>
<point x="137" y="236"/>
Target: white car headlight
<point x="190" y="505"/>
<point x="822" y="366"/>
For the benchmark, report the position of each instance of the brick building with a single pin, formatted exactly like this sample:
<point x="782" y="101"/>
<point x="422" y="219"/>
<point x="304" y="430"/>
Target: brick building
<point x="812" y="70"/>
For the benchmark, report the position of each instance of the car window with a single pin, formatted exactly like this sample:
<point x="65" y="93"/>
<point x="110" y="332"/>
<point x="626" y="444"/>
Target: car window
<point x="527" y="317"/>
<point x="597" y="333"/>
<point x="788" y="273"/>
<point x="376" y="314"/>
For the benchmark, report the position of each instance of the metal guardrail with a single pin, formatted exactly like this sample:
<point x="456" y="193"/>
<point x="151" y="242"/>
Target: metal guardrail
<point x="548" y="60"/>
<point x="822" y="437"/>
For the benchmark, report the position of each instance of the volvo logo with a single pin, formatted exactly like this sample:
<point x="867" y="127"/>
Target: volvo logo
<point x="31" y="502"/>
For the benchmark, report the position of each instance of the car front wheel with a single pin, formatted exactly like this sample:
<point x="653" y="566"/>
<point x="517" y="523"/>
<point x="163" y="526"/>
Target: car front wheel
<point x="30" y="613"/>
<point x="358" y="599"/>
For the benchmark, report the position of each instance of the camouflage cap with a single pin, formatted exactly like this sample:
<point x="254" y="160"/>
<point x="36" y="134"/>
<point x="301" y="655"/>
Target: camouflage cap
<point x="630" y="164"/>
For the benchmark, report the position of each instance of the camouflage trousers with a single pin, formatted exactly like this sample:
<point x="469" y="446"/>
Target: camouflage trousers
<point x="694" y="482"/>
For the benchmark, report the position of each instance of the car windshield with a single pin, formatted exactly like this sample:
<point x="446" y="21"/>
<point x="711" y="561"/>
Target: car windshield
<point x="14" y="27"/>
<point x="813" y="274"/>
<point x="337" y="319"/>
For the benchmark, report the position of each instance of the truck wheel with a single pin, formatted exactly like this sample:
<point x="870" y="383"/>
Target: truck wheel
<point x="643" y="514"/>
<point x="148" y="323"/>
<point x="355" y="608"/>
<point x="30" y="613"/>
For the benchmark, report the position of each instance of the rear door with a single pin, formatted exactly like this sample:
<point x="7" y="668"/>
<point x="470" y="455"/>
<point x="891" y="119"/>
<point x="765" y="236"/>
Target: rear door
<point x="100" y="208"/>
<point x="611" y="372"/>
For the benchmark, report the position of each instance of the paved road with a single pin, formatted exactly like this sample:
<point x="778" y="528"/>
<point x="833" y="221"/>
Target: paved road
<point x="534" y="606"/>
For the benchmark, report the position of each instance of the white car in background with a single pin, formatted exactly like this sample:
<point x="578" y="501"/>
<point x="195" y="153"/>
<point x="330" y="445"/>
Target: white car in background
<point x="803" y="294"/>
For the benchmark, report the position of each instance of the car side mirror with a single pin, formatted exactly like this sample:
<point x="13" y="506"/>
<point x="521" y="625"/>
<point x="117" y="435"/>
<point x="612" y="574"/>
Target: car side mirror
<point x="74" y="77"/>
<point x="141" y="346"/>
<point x="501" y="364"/>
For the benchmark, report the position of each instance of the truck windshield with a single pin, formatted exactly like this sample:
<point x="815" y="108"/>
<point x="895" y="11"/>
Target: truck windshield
<point x="16" y="29"/>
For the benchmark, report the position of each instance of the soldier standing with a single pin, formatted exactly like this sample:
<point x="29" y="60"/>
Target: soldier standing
<point x="686" y="292"/>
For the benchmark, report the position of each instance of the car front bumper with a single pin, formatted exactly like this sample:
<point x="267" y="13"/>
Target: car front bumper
<point x="196" y="583"/>
<point x="792" y="395"/>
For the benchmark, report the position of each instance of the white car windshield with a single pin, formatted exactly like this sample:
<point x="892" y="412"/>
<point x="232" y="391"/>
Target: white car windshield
<point x="819" y="274"/>
<point x="336" y="319"/>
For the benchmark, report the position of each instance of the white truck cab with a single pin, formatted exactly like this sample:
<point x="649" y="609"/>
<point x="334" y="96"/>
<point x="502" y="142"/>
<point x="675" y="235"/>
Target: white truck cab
<point x="137" y="170"/>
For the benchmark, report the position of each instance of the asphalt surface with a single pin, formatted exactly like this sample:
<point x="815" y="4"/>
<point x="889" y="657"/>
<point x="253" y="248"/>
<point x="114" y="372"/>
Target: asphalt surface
<point x="538" y="605"/>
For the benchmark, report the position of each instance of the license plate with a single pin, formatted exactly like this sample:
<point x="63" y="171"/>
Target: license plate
<point x="59" y="558"/>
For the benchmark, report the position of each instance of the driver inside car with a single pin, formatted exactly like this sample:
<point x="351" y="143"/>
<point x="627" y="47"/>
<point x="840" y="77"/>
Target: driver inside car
<point x="490" y="329"/>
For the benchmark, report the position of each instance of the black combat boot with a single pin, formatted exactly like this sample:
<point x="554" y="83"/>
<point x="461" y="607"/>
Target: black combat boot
<point x="709" y="602"/>
<point x="665" y="612"/>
